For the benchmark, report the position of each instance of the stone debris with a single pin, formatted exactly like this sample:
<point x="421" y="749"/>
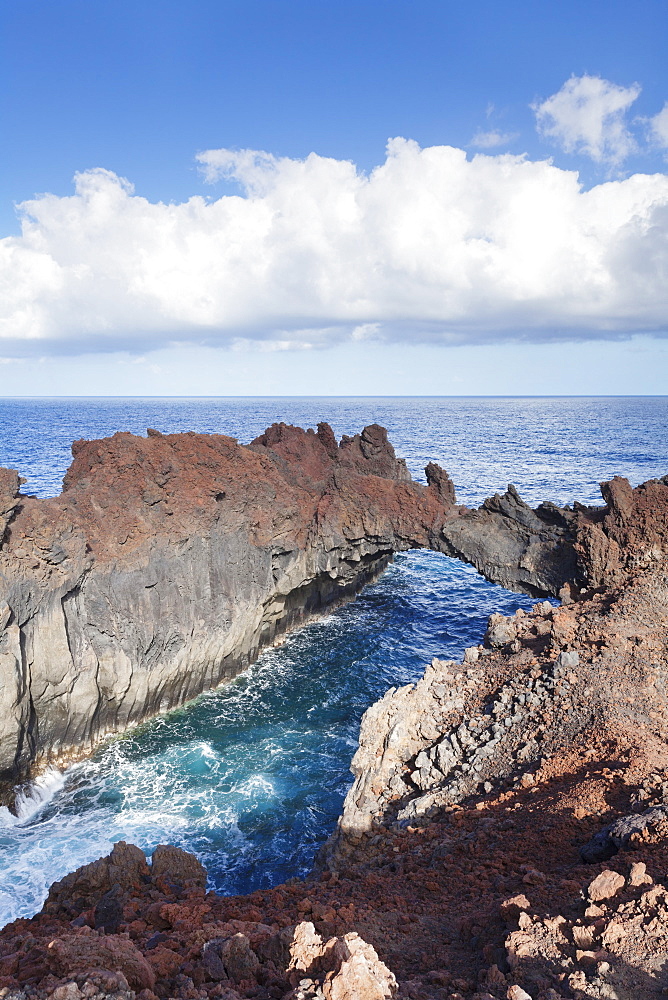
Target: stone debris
<point x="80" y="952"/>
<point x="517" y="993"/>
<point x="605" y="885"/>
<point x="343" y="968"/>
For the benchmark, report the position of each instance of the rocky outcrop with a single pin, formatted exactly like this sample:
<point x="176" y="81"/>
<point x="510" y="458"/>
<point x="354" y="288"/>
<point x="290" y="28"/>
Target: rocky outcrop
<point x="505" y="838"/>
<point x="538" y="682"/>
<point x="170" y="933"/>
<point x="563" y="551"/>
<point x="168" y="562"/>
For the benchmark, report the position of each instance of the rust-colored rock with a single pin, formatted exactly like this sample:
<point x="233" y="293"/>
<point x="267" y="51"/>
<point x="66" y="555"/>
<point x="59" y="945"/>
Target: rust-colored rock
<point x="177" y="866"/>
<point x="472" y="857"/>
<point x="124" y="868"/>
<point x="169" y="561"/>
<point x="605" y="885"/>
<point x="72" y="953"/>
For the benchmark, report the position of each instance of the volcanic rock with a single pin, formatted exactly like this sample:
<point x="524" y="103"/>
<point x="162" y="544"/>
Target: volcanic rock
<point x="72" y="953"/>
<point x="168" y="562"/>
<point x="455" y="863"/>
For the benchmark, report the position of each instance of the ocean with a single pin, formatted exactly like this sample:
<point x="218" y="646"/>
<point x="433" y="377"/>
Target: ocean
<point x="251" y="777"/>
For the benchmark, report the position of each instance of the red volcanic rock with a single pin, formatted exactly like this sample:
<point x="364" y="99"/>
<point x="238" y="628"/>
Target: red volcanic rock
<point x="169" y="561"/>
<point x="177" y="866"/>
<point x="630" y="534"/>
<point x="72" y="953"/>
<point x="125" y="867"/>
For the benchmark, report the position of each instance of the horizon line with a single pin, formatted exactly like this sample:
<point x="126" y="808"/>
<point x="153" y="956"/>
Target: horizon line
<point x="193" y="396"/>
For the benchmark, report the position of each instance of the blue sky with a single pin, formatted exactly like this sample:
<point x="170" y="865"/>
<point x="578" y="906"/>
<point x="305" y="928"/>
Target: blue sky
<point x="143" y="291"/>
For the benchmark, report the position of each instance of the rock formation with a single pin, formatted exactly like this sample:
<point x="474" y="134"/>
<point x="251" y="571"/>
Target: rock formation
<point x="506" y="835"/>
<point x="168" y="562"/>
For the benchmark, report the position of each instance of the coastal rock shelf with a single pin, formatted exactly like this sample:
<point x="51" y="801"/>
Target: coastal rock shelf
<point x="168" y="562"/>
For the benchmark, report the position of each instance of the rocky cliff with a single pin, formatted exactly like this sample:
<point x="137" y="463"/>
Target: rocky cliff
<point x="168" y="562"/>
<point x="505" y="838"/>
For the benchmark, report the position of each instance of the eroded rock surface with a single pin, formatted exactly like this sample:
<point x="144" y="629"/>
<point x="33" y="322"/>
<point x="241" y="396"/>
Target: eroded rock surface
<point x="506" y="836"/>
<point x="168" y="562"/>
<point x="540" y="681"/>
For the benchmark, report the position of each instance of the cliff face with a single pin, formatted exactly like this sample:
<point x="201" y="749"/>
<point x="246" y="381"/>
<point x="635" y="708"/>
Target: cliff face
<point x="506" y="836"/>
<point x="168" y="562"/>
<point x="539" y="682"/>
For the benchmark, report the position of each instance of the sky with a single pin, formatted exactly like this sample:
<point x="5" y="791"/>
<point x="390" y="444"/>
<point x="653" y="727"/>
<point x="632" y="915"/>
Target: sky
<point x="339" y="198"/>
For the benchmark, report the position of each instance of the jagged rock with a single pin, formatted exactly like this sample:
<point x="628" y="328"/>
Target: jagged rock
<point x="177" y="865"/>
<point x="514" y="906"/>
<point x="618" y="835"/>
<point x="108" y="913"/>
<point x="347" y="967"/>
<point x="169" y="561"/>
<point x="124" y="868"/>
<point x="638" y="874"/>
<point x="605" y="885"/>
<point x="517" y="993"/>
<point x="470" y="785"/>
<point x="520" y="548"/>
<point x="500" y="631"/>
<point x="238" y="957"/>
<point x="72" y="953"/>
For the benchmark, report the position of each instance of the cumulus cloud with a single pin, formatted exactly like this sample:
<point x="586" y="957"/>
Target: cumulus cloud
<point x="429" y="246"/>
<point x="658" y="127"/>
<point x="589" y="115"/>
<point x="492" y="139"/>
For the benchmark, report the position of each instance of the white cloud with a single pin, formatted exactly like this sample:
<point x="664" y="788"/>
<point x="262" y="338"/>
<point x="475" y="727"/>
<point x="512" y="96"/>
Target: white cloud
<point x="658" y="127"/>
<point x="430" y="246"/>
<point x="588" y="115"/>
<point x="492" y="139"/>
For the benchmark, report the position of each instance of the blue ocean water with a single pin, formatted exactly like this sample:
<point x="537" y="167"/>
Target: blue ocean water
<point x="251" y="777"/>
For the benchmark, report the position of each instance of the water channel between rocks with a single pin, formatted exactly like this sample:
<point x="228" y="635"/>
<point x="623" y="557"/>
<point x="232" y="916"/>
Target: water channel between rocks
<point x="251" y="777"/>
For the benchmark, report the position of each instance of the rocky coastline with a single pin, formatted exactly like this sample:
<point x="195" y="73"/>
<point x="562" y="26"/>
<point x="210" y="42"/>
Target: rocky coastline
<point x="168" y="562"/>
<point x="506" y="832"/>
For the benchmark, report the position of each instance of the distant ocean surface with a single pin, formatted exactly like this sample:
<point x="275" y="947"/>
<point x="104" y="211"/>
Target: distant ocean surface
<point x="251" y="777"/>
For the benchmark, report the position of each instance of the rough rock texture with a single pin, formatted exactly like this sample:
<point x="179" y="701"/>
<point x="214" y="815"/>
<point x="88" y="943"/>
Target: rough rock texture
<point x="489" y="899"/>
<point x="341" y="968"/>
<point x="559" y="550"/>
<point x="541" y="680"/>
<point x="506" y="835"/>
<point x="169" y="561"/>
<point x="463" y="866"/>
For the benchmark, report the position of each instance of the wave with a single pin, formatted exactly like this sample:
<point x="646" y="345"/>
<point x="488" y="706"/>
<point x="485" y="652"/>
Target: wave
<point x="32" y="799"/>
